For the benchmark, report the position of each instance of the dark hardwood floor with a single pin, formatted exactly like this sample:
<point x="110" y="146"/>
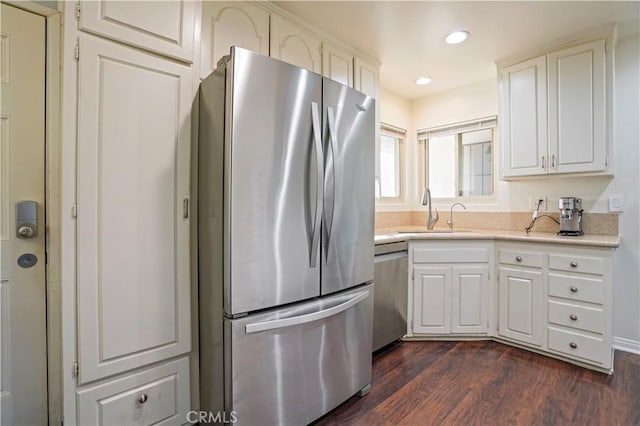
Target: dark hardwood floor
<point x="487" y="383"/>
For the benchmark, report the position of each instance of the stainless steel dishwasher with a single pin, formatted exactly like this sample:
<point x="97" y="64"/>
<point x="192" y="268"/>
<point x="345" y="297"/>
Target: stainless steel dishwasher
<point x="390" y="295"/>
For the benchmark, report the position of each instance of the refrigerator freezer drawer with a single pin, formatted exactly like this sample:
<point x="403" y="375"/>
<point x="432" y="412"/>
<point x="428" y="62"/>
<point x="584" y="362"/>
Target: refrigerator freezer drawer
<point x="295" y="364"/>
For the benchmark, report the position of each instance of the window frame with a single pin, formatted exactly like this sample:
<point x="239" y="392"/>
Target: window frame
<point x="457" y="129"/>
<point x="399" y="134"/>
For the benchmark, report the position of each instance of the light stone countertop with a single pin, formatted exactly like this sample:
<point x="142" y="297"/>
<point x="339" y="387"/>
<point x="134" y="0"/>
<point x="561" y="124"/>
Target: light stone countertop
<point x="407" y="233"/>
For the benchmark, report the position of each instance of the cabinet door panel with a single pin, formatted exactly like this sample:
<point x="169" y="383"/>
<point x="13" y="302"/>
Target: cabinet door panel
<point x="292" y="44"/>
<point x="165" y="27"/>
<point x="366" y="78"/>
<point x="432" y="300"/>
<point x="524" y="108"/>
<point x="133" y="241"/>
<point x="520" y="305"/>
<point x="577" y="114"/>
<point x="469" y="304"/>
<point x="226" y="24"/>
<point x="337" y="65"/>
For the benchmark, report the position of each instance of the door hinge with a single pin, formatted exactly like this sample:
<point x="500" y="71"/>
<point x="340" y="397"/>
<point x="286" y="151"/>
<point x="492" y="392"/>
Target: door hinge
<point x="78" y="10"/>
<point x="185" y="208"/>
<point x="76" y="53"/>
<point x="75" y="369"/>
<point x="74" y="210"/>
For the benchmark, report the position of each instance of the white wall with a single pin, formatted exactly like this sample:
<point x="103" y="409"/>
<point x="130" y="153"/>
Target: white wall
<point x="480" y="100"/>
<point x="626" y="321"/>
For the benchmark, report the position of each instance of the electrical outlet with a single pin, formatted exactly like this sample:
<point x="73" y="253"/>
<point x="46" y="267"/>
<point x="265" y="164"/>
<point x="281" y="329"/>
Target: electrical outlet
<point x="533" y="202"/>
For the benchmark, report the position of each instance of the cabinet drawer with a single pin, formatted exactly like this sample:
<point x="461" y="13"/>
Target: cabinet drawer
<point x="159" y="395"/>
<point x="576" y="288"/>
<point x="580" y="346"/>
<point x="584" y="264"/>
<point x="588" y="319"/>
<point x="450" y="255"/>
<point x="521" y="258"/>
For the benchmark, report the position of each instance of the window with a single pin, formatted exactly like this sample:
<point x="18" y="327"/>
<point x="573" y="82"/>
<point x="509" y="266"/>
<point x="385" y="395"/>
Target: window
<point x="390" y="164"/>
<point x="456" y="160"/>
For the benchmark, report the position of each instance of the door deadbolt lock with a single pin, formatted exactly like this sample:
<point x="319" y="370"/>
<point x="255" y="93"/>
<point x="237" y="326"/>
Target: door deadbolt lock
<point x="26" y="231"/>
<point x="27" y="219"/>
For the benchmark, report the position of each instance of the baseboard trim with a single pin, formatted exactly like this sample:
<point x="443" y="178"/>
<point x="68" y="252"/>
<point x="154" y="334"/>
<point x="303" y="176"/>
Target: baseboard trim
<point x="626" y="345"/>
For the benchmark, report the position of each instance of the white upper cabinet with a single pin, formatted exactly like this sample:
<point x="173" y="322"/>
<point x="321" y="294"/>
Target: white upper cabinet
<point x="367" y="77"/>
<point x="293" y="44"/>
<point x="577" y="113"/>
<point x="133" y="279"/>
<point x="524" y="112"/>
<point x="337" y="64"/>
<point x="554" y="112"/>
<point x="226" y="24"/>
<point x="164" y="27"/>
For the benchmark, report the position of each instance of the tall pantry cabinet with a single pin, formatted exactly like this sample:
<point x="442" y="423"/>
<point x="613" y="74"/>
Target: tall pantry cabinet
<point x="135" y="87"/>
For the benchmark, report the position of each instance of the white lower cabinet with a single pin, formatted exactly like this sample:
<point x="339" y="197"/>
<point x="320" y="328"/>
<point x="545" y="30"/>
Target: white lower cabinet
<point x="552" y="298"/>
<point x="449" y="295"/>
<point x="520" y="305"/>
<point x="557" y="299"/>
<point x="155" y="396"/>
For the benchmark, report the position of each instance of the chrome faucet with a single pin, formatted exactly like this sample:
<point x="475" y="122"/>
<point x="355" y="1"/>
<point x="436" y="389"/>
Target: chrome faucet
<point x="450" y="221"/>
<point x="426" y="201"/>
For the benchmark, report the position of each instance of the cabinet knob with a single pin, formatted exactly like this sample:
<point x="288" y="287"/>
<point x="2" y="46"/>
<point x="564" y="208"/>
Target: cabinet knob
<point x="143" y="398"/>
<point x="573" y="317"/>
<point x="574" y="289"/>
<point x="573" y="345"/>
<point x="518" y="258"/>
<point x="574" y="264"/>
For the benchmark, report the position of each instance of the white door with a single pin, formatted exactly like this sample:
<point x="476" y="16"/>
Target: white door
<point x="577" y="113"/>
<point x="432" y="300"/>
<point x="23" y="382"/>
<point x="524" y="124"/>
<point x="469" y="305"/>
<point x="133" y="226"/>
<point x="520" y="305"/>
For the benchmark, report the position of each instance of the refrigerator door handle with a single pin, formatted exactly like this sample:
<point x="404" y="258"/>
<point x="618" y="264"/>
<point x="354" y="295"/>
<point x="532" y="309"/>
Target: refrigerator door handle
<point x="336" y="169"/>
<point x="317" y="142"/>
<point x="303" y="319"/>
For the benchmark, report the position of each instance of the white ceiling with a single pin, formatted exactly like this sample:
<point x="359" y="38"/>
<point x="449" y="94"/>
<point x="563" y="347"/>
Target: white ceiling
<point x="408" y="36"/>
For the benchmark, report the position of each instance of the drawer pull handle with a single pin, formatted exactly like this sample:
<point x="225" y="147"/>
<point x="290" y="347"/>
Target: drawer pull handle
<point x="574" y="264"/>
<point x="573" y="317"/>
<point x="143" y="398"/>
<point x="574" y="289"/>
<point x="573" y="345"/>
<point x="518" y="258"/>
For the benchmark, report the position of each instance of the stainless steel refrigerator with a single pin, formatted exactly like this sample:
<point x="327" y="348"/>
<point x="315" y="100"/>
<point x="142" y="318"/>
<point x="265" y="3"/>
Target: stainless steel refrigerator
<point x="285" y="234"/>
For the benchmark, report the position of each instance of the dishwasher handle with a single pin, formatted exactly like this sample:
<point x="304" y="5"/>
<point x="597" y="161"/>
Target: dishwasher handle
<point x="390" y="256"/>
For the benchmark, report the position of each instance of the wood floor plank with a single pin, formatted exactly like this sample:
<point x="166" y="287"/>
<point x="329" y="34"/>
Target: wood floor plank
<point x="482" y="383"/>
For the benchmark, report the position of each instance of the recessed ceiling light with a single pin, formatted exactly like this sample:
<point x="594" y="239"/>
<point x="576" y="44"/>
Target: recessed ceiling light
<point x="422" y="81"/>
<point x="456" y="37"/>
